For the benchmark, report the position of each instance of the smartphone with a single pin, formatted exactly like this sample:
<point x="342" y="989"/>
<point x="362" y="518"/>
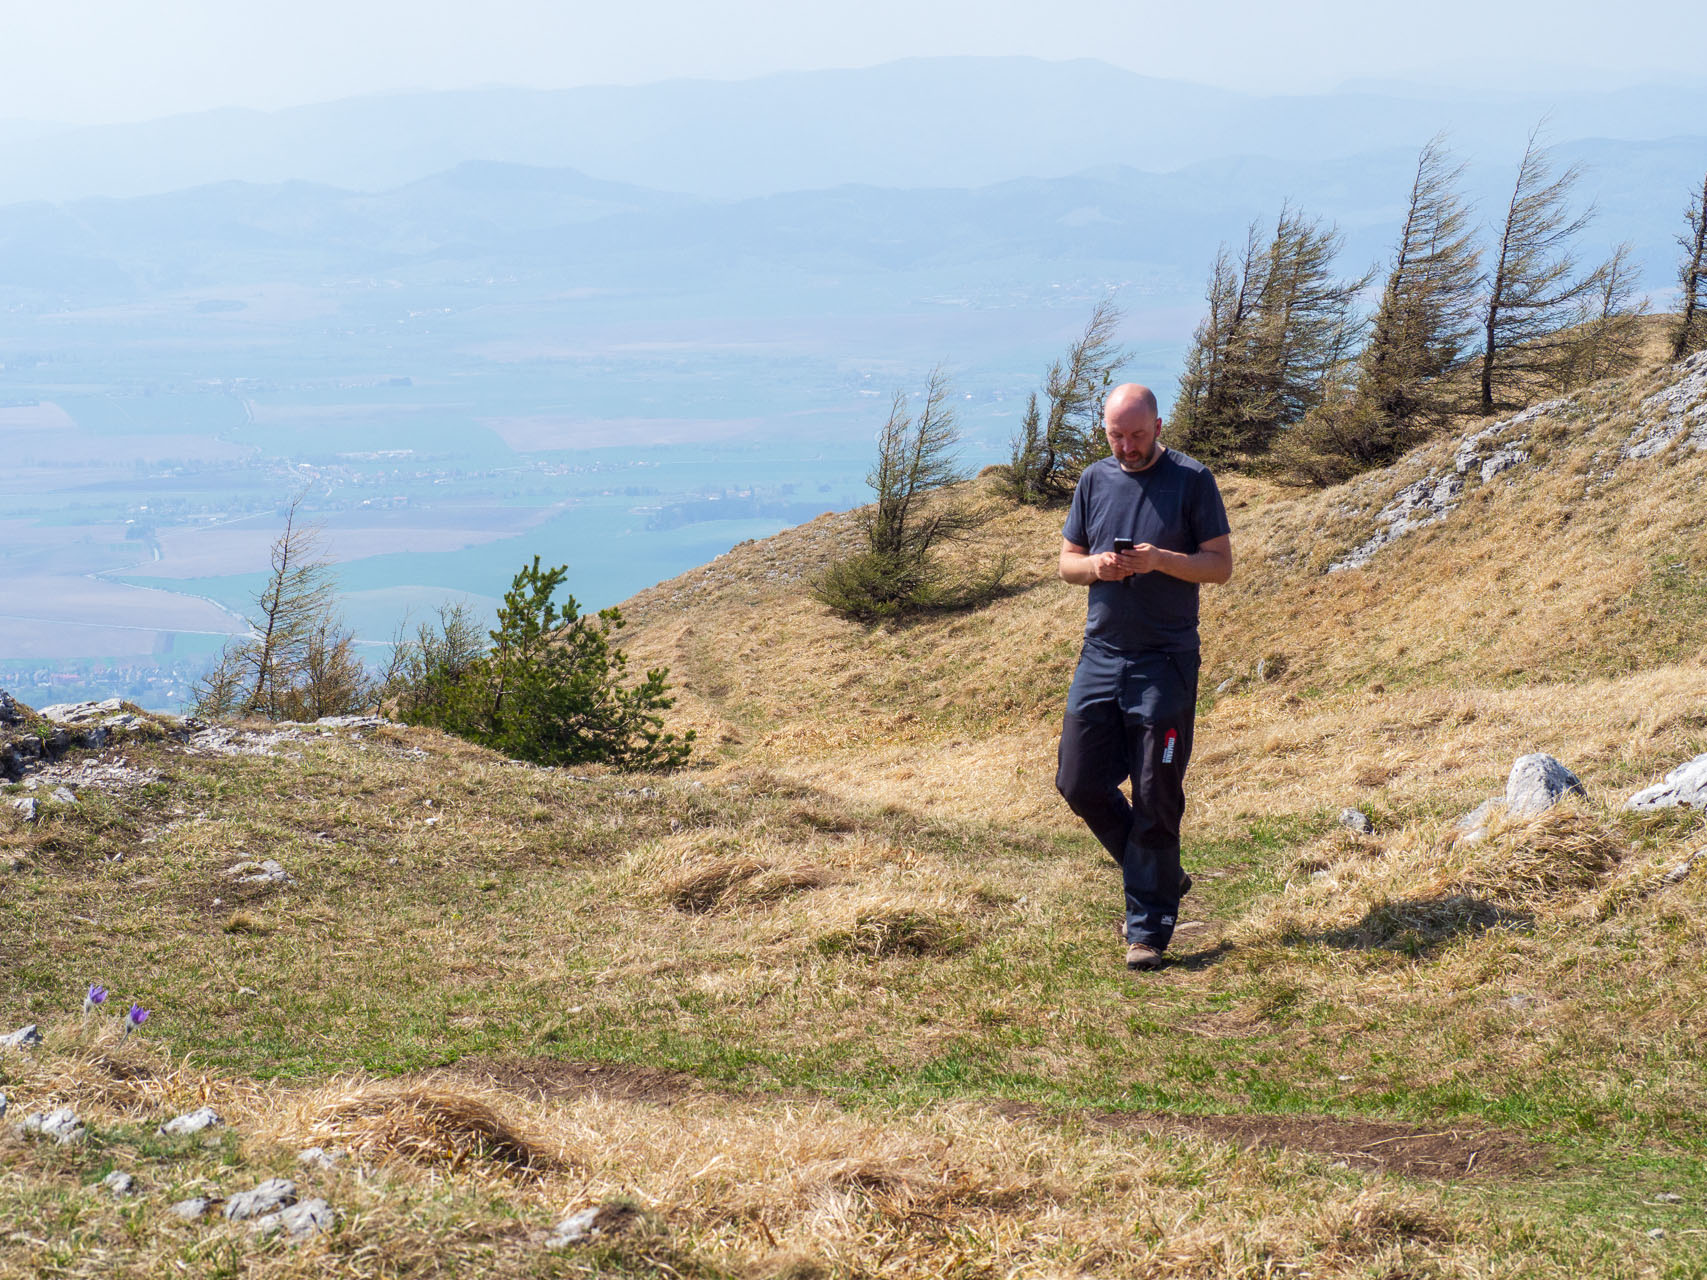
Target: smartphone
<point x="1124" y="544"/>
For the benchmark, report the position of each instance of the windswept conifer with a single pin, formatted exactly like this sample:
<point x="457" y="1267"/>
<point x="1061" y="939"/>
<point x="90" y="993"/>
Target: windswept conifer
<point x="1607" y="338"/>
<point x="1050" y="451"/>
<point x="1534" y="291"/>
<point x="1691" y="332"/>
<point x="1427" y="312"/>
<point x="898" y="572"/>
<point x="1278" y="334"/>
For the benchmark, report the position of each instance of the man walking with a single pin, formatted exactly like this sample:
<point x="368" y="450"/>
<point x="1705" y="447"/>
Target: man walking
<point x="1146" y="527"/>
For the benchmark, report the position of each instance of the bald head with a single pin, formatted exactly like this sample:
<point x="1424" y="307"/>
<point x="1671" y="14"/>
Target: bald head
<point x="1130" y="402"/>
<point x="1131" y="422"/>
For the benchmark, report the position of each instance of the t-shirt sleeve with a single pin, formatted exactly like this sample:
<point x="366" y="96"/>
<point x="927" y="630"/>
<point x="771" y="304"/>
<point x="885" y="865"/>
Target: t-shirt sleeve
<point x="1207" y="514"/>
<point x="1077" y="528"/>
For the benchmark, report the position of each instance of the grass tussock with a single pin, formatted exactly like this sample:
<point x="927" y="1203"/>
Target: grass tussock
<point x="882" y="932"/>
<point x="1533" y="865"/>
<point x="422" y="1125"/>
<point x="728" y="884"/>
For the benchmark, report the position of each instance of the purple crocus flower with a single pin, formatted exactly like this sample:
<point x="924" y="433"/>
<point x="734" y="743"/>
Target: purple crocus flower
<point x="97" y="995"/>
<point x="135" y="1018"/>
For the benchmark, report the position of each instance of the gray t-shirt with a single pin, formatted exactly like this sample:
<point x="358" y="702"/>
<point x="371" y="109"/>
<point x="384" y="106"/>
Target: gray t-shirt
<point x="1173" y="505"/>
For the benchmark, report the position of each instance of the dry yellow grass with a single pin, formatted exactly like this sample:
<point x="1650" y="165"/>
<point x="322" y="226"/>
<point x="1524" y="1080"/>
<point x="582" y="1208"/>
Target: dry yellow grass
<point x="814" y="997"/>
<point x="1562" y="607"/>
<point x="766" y="1188"/>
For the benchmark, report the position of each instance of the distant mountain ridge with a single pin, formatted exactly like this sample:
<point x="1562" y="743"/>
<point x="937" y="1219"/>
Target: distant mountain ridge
<point x="938" y="122"/>
<point x="544" y="223"/>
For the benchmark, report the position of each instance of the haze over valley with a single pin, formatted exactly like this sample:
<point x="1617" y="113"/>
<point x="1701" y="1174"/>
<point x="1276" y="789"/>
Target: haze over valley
<point x="465" y="352"/>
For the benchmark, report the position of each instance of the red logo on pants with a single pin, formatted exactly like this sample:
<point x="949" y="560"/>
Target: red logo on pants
<point x="1168" y="744"/>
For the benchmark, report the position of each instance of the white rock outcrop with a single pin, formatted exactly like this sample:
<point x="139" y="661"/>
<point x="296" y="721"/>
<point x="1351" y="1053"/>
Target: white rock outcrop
<point x="1684" y="785"/>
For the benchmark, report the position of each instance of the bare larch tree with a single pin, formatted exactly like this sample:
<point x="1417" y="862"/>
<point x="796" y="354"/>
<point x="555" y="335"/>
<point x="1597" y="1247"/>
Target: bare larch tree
<point x="1534" y="288"/>
<point x="1050" y="451"/>
<point x="1691" y="332"/>
<point x="1427" y="313"/>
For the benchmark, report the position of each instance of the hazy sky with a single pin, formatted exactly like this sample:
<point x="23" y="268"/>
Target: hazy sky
<point x="104" y="60"/>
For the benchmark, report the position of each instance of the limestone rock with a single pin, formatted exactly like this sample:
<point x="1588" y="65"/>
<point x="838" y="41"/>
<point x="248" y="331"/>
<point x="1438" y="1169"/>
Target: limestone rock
<point x="9" y="711"/>
<point x="191" y="1122"/>
<point x="1536" y="783"/>
<point x="193" y="1208"/>
<point x="3" y="1105"/>
<point x="272" y="1195"/>
<point x="1357" y="821"/>
<point x="63" y="795"/>
<point x="298" y="1222"/>
<point x="1472" y="828"/>
<point x="351" y="722"/>
<point x="1680" y="873"/>
<point x="1684" y="785"/>
<point x="23" y="1038"/>
<point x="1484" y="454"/>
<point x="119" y="1183"/>
<point x="82" y="712"/>
<point x="1671" y="411"/>
<point x="320" y="1158"/>
<point x="62" y="1126"/>
<point x="267" y="871"/>
<point x="28" y="807"/>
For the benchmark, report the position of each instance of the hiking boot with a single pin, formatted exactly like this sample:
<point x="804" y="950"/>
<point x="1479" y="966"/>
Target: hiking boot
<point x="1141" y="956"/>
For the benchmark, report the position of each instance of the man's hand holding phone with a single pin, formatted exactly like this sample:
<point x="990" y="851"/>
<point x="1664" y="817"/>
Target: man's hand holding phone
<point x="1127" y="558"/>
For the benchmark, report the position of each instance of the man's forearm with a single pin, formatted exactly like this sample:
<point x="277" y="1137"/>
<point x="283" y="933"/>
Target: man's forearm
<point x="1200" y="566"/>
<point x="1080" y="570"/>
<point x="1203" y="565"/>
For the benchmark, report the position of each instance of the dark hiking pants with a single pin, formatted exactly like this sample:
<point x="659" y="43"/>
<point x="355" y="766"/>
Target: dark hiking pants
<point x="1130" y="716"/>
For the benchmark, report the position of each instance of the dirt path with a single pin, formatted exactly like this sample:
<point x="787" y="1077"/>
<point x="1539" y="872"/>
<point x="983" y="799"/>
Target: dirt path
<point x="1448" y="1152"/>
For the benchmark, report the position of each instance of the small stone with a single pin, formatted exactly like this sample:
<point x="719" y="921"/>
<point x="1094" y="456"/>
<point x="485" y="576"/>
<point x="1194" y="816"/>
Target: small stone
<point x="320" y="1158"/>
<point x="1538" y="782"/>
<point x="1669" y="1197"/>
<point x="272" y="1195"/>
<point x="62" y="1126"/>
<point x="120" y="1184"/>
<point x="23" y="1038"/>
<point x="298" y="1222"/>
<point x="193" y="1208"/>
<point x="1680" y="873"/>
<point x="589" y="1224"/>
<point x="267" y="871"/>
<point x="1356" y="820"/>
<point x="28" y="808"/>
<point x="1658" y="1233"/>
<point x="3" y="1104"/>
<point x="191" y="1122"/>
<point x="247" y="991"/>
<point x="1519" y="1001"/>
<point x="63" y="795"/>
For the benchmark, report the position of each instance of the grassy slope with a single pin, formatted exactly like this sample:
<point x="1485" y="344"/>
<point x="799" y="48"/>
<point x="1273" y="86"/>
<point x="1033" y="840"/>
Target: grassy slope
<point x="869" y="915"/>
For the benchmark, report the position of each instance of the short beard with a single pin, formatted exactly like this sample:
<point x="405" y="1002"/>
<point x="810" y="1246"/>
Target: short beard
<point x="1148" y="459"/>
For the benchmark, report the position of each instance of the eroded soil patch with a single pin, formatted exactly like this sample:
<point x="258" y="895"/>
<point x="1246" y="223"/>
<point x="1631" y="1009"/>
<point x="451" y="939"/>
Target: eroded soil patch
<point x="552" y="1079"/>
<point x="1418" y="1151"/>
